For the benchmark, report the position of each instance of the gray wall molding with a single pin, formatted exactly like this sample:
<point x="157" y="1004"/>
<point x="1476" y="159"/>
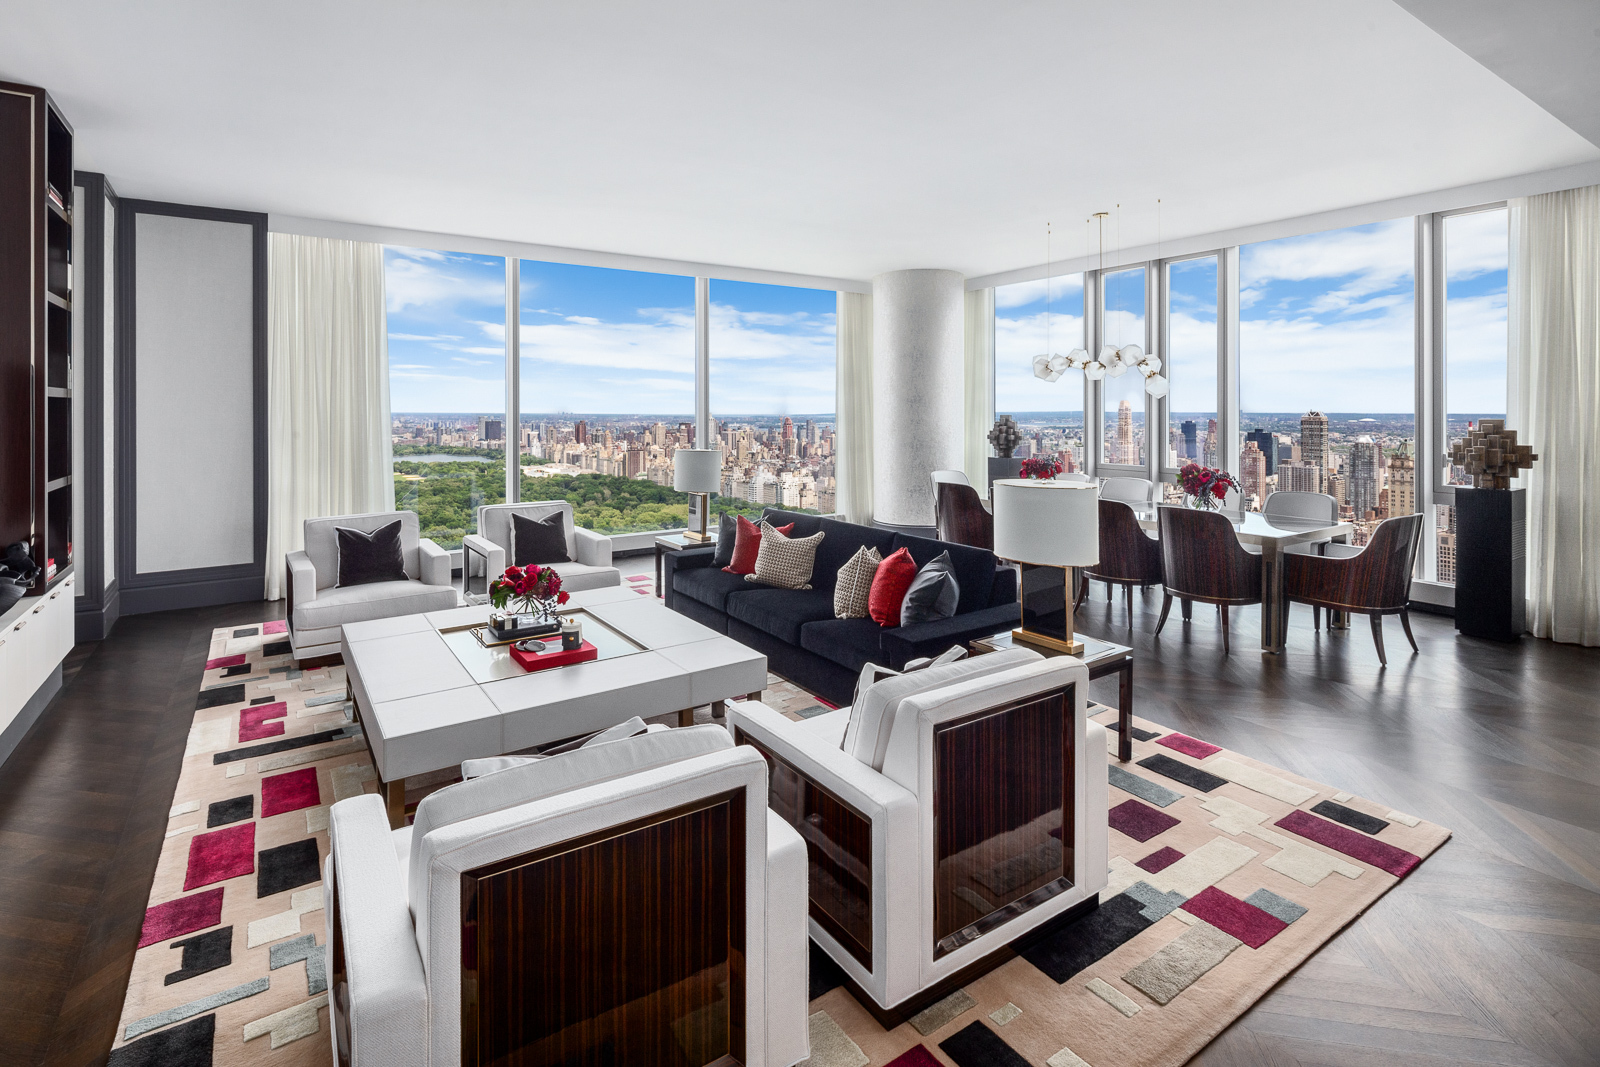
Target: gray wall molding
<point x="164" y="590"/>
<point x="96" y="610"/>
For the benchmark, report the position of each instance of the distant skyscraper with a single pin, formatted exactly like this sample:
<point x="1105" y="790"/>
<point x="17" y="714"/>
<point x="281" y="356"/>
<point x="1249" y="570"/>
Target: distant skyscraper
<point x="1365" y="477"/>
<point x="1124" y="452"/>
<point x="788" y="428"/>
<point x="1189" y="448"/>
<point x="1253" y="474"/>
<point x="635" y="463"/>
<point x="580" y="432"/>
<point x="1402" y="485"/>
<point x="1445" y="520"/>
<point x="1267" y="444"/>
<point x="1297" y="476"/>
<point x="1314" y="438"/>
<point x="491" y="428"/>
<point x="1209" y="450"/>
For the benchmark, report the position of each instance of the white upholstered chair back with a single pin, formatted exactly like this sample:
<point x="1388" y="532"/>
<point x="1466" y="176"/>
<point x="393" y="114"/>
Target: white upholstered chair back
<point x="958" y="477"/>
<point x="1127" y="490"/>
<point x="322" y="542"/>
<point x="1075" y="476"/>
<point x="494" y="522"/>
<point x="1293" y="504"/>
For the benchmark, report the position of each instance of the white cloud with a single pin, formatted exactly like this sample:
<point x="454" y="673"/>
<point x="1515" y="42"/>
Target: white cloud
<point x="1373" y="259"/>
<point x="1066" y="287"/>
<point x="410" y="282"/>
<point x="583" y="320"/>
<point x="1296" y="364"/>
<point x="424" y="337"/>
<point x="474" y="362"/>
<point x="1475" y="244"/>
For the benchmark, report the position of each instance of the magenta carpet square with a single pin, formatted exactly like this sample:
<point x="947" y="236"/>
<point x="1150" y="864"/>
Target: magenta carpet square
<point x="915" y="1056"/>
<point x="224" y="661"/>
<point x="1233" y="916"/>
<point x="254" y="724"/>
<point x="1160" y="859"/>
<point x="182" y="916"/>
<point x="1189" y="746"/>
<point x="1140" y="821"/>
<point x="1384" y="856"/>
<point x="279" y="627"/>
<point x="220" y="855"/>
<point x="290" y="792"/>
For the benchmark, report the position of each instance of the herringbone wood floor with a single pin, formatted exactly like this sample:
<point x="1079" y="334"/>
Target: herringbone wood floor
<point x="1489" y="953"/>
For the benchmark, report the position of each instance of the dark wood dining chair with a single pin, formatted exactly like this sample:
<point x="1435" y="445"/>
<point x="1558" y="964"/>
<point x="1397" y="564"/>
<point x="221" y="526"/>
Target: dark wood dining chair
<point x="1128" y="556"/>
<point x="1201" y="559"/>
<point x="961" y="517"/>
<point x="1374" y="580"/>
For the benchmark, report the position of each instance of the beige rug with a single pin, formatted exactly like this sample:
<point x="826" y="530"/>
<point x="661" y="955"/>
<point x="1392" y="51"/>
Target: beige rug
<point x="1226" y="875"/>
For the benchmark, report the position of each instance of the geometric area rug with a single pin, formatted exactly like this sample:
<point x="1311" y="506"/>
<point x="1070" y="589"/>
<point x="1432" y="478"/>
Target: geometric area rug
<point x="1226" y="874"/>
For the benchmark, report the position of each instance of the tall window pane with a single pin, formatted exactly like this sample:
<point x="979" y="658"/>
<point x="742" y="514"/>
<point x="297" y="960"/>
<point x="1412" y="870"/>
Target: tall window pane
<point x="607" y="392"/>
<point x="773" y="358"/>
<point x="1049" y="414"/>
<point x="1326" y="370"/>
<point x="1192" y="363"/>
<point x="446" y="323"/>
<point x="1123" y="440"/>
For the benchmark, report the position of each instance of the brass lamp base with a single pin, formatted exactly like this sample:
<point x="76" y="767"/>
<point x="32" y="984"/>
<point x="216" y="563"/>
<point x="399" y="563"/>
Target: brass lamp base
<point x="691" y="535"/>
<point x="1054" y="644"/>
<point x="699" y="516"/>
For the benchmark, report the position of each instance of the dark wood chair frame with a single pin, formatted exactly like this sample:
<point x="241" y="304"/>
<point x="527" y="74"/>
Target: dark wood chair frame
<point x="1375" y="582"/>
<point x="1201" y="559"/>
<point x="961" y="517"/>
<point x="1128" y="556"/>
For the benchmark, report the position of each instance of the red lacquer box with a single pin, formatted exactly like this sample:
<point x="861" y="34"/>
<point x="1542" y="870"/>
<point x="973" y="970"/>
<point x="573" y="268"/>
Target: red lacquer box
<point x="555" y="657"/>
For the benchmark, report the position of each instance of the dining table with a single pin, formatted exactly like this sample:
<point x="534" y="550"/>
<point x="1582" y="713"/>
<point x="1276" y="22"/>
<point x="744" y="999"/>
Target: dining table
<point x="1274" y="536"/>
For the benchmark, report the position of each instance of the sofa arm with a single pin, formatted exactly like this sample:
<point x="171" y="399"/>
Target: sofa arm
<point x="594" y="550"/>
<point x="381" y="1001"/>
<point x="302" y="586"/>
<point x="787" y="950"/>
<point x="931" y="638"/>
<point x="687" y="559"/>
<point x="433" y="562"/>
<point x="494" y="558"/>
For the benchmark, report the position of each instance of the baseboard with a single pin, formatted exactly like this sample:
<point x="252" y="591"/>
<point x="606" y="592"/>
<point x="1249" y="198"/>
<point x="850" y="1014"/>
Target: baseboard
<point x="202" y="593"/>
<point x="94" y="623"/>
<point x="1424" y="608"/>
<point x="18" y="728"/>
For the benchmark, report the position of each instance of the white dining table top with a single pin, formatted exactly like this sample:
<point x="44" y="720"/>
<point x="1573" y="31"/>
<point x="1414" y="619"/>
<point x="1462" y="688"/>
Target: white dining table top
<point x="1254" y="528"/>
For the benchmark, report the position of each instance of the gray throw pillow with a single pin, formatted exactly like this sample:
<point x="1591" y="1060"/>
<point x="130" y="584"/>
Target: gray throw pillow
<point x="933" y="593"/>
<point x="727" y="534"/>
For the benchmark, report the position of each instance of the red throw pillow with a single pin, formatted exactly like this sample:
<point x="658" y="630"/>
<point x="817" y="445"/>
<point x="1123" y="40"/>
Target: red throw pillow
<point x="889" y="584"/>
<point x="747" y="546"/>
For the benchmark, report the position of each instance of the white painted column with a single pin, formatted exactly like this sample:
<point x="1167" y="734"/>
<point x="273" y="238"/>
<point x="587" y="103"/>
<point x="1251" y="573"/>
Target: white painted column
<point x="917" y="391"/>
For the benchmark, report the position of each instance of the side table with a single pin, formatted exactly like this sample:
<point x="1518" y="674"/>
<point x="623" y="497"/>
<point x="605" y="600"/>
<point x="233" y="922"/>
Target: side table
<point x="1102" y="658"/>
<point x="673" y="543"/>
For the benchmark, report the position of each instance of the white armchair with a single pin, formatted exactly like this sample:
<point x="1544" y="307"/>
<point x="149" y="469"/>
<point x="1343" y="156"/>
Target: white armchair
<point x="319" y="606"/>
<point x="931" y="844"/>
<point x="634" y="897"/>
<point x="487" y="553"/>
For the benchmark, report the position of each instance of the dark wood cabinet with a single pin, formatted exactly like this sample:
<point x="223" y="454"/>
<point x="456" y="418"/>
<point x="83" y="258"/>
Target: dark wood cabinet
<point x="36" y="291"/>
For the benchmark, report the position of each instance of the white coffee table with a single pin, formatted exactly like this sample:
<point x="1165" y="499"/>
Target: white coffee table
<point x="429" y="695"/>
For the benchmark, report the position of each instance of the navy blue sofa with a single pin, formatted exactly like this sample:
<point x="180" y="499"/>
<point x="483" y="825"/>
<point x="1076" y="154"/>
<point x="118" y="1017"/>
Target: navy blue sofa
<point x="796" y="628"/>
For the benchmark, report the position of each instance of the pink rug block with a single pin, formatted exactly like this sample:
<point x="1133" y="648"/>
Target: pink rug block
<point x="182" y="916"/>
<point x="1189" y="746"/>
<point x="224" y="661"/>
<point x="1233" y="916"/>
<point x="290" y="792"/>
<point x="220" y="855"/>
<point x="254" y="721"/>
<point x="1384" y="856"/>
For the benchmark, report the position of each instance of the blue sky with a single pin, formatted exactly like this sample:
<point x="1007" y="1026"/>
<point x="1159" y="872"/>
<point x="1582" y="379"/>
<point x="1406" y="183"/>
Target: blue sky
<point x="599" y="341"/>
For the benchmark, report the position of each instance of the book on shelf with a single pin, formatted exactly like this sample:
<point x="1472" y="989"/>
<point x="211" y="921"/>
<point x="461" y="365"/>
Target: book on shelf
<point x="55" y="197"/>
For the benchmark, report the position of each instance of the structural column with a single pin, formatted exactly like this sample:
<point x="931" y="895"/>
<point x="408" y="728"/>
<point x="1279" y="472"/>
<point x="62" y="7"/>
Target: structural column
<point x="917" y="391"/>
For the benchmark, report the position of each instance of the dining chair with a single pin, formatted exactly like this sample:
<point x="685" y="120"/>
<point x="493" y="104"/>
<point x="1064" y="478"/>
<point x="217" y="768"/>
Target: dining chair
<point x="1076" y="476"/>
<point x="1128" y="490"/>
<point x="1374" y="580"/>
<point x="1296" y="504"/>
<point x="1201" y="559"/>
<point x="958" y="477"/>
<point x="960" y="515"/>
<point x="1128" y="556"/>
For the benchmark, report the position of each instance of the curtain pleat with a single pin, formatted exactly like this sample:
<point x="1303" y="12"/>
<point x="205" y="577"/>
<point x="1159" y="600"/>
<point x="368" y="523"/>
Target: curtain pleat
<point x="328" y="436"/>
<point x="978" y="409"/>
<point x="853" y="464"/>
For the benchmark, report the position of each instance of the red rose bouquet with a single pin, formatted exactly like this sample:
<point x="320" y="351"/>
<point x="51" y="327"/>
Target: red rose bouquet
<point x="1207" y="487"/>
<point x="534" y="588"/>
<point x="1041" y="468"/>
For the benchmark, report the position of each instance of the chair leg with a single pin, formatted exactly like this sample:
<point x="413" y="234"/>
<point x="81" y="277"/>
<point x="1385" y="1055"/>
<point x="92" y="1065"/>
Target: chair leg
<point x="1083" y="591"/>
<point x="1405" y="621"/>
<point x="1188" y="610"/>
<point x="1224" y="608"/>
<point x="1128" y="599"/>
<point x="1316" y="617"/>
<point x="1377" y="637"/>
<point x="1166" y="606"/>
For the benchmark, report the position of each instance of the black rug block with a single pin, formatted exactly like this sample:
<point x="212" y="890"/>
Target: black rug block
<point x="270" y="747"/>
<point x="185" y="1045"/>
<point x="1093" y="937"/>
<point x="825" y="974"/>
<point x="1142" y="735"/>
<point x="975" y="1045"/>
<point x="287" y="867"/>
<point x="235" y="809"/>
<point x="1193" y="777"/>
<point x="277" y="648"/>
<point x="202" y="953"/>
<point x="236" y="670"/>
<point x="248" y="631"/>
<point x="261" y="700"/>
<point x="1360" y="820"/>
<point x="220" y="695"/>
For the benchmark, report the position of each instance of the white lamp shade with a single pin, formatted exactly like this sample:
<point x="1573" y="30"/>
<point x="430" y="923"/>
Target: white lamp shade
<point x="1094" y="371"/>
<point x="1077" y="357"/>
<point x="1049" y="523"/>
<point x="1131" y="354"/>
<point x="1041" y="367"/>
<point x="1117" y="369"/>
<point x="697" y="470"/>
<point x="1156" y="385"/>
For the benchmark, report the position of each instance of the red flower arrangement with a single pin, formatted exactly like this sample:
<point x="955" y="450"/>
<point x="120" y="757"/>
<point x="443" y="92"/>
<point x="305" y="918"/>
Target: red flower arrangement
<point x="1207" y="486"/>
<point x="1040" y="468"/>
<point x="534" y="588"/>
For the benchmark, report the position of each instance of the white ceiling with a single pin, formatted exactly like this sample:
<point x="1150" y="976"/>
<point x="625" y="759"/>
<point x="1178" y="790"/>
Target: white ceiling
<point x="830" y="138"/>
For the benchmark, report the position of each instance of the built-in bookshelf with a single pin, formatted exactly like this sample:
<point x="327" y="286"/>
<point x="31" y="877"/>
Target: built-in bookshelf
<point x="36" y="291"/>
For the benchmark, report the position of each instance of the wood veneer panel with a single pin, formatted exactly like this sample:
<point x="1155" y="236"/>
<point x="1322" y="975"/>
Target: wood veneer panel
<point x="20" y="205"/>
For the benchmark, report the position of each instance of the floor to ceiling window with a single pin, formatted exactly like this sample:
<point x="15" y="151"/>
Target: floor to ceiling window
<point x="773" y="357"/>
<point x="1191" y="364"/>
<point x="1327" y="369"/>
<point x="446" y="324"/>
<point x="1049" y="414"/>
<point x="1123" y="437"/>
<point x="607" y="392"/>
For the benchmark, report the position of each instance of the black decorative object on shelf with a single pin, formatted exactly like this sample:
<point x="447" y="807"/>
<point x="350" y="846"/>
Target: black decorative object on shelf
<point x="1491" y="554"/>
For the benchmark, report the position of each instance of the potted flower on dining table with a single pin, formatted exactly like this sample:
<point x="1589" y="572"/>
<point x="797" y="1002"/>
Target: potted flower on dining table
<point x="1205" y="488"/>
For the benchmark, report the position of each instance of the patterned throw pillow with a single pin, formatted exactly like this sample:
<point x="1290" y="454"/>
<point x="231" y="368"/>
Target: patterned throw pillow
<point x="785" y="562"/>
<point x="854" y="583"/>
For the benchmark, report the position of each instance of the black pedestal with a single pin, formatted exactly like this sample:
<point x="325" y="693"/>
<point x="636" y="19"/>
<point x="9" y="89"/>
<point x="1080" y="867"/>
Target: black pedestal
<point x="1491" y="551"/>
<point x="1002" y="468"/>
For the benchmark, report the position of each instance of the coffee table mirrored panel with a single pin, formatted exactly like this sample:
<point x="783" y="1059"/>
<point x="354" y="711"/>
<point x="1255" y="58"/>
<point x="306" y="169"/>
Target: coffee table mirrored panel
<point x="488" y="663"/>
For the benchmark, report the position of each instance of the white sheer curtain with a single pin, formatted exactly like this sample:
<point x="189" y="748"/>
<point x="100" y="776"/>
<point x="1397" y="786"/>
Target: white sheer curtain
<point x="978" y="408"/>
<point x="328" y="444"/>
<point x="853" y="399"/>
<point x="1553" y="313"/>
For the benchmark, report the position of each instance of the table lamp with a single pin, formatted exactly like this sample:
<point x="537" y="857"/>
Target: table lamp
<point x="1049" y="528"/>
<point x="698" y="472"/>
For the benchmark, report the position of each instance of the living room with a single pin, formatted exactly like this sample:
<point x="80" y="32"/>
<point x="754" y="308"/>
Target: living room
<point x="671" y="508"/>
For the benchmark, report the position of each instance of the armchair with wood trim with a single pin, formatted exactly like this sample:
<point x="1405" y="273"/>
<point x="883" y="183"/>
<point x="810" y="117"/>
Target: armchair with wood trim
<point x="629" y="902"/>
<point x="946" y="814"/>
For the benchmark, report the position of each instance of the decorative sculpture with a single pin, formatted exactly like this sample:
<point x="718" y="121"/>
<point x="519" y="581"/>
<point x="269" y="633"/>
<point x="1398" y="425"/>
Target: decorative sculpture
<point x="1005" y="437"/>
<point x="1491" y="455"/>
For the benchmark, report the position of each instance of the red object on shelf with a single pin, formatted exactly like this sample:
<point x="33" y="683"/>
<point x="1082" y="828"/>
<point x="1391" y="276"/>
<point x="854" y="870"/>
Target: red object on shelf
<point x="556" y="657"/>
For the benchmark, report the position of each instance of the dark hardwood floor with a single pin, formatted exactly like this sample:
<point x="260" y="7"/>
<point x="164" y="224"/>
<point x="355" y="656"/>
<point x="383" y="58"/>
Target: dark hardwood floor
<point x="1489" y="953"/>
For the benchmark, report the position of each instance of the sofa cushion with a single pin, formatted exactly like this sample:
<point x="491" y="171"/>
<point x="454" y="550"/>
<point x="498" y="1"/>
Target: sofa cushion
<point x="576" y="577"/>
<point x="889" y="584"/>
<point x="369" y="557"/>
<point x="842" y="542"/>
<point x="708" y="585"/>
<point x="850" y="643"/>
<point x="933" y="593"/>
<point x="973" y="567"/>
<point x="539" y="540"/>
<point x="852" y="586"/>
<point x="727" y="537"/>
<point x="804" y="525"/>
<point x="377" y="600"/>
<point x="783" y="561"/>
<point x="781" y="612"/>
<point x="747" y="545"/>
